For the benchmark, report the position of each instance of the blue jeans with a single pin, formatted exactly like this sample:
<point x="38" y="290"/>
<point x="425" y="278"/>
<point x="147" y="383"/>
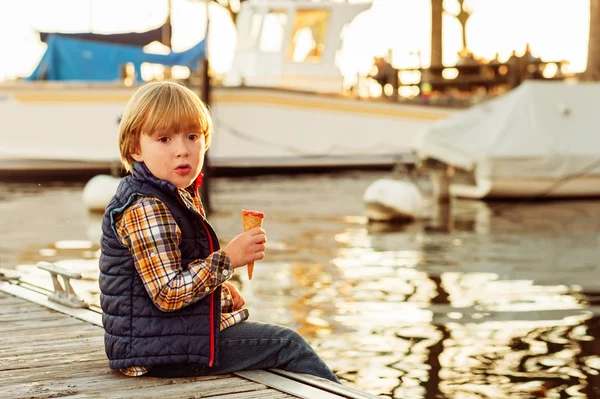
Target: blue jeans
<point x="252" y="345"/>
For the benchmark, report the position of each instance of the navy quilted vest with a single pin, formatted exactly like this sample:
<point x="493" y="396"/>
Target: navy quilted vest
<point x="137" y="333"/>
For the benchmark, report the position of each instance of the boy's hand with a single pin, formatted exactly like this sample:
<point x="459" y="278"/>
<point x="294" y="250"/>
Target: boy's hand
<point x="247" y="247"/>
<point x="236" y="296"/>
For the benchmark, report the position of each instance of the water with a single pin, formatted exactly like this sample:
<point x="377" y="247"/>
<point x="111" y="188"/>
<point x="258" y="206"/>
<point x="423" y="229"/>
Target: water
<point x="482" y="300"/>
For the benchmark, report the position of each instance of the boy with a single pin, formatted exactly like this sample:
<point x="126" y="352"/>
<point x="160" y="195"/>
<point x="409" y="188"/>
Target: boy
<point x="168" y="309"/>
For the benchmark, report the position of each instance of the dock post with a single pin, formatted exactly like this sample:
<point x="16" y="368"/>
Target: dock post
<point x="440" y="173"/>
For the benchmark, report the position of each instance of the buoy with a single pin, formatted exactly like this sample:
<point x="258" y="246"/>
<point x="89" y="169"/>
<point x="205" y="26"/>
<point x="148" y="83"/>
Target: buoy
<point x="98" y="192"/>
<point x="388" y="200"/>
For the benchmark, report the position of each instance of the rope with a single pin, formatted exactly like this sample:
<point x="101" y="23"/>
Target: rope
<point x="559" y="182"/>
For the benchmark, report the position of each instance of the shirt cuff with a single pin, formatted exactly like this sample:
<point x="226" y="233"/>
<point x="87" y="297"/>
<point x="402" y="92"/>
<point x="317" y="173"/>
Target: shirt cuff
<point x="220" y="267"/>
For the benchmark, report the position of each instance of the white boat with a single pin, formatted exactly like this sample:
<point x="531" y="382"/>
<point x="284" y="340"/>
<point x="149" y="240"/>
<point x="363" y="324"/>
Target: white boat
<point x="540" y="140"/>
<point x="288" y="109"/>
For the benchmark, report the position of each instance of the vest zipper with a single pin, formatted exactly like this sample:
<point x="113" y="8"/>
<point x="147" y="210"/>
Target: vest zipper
<point x="212" y="329"/>
<point x="212" y="304"/>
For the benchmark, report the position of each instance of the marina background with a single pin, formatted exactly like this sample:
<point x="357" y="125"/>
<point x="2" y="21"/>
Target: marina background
<point x="491" y="299"/>
<point x="404" y="26"/>
<point x="472" y="299"/>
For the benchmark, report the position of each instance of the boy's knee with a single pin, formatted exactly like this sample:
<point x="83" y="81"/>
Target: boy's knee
<point x="294" y="337"/>
<point x="293" y="334"/>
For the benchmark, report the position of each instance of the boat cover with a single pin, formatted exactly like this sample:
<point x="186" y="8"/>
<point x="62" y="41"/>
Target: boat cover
<point x="75" y="59"/>
<point x="130" y="38"/>
<point x="538" y="130"/>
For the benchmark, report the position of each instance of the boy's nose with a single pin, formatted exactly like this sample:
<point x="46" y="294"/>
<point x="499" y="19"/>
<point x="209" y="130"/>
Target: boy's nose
<point x="182" y="153"/>
<point x="182" y="150"/>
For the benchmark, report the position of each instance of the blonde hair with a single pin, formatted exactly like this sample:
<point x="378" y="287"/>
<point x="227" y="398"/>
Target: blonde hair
<point x="161" y="107"/>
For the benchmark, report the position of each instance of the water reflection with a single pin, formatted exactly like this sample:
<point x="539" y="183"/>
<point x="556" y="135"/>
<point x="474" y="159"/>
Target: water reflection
<point x="479" y="300"/>
<point x="509" y="313"/>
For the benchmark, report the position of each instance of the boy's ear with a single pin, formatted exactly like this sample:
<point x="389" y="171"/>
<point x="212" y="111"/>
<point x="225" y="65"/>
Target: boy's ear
<point x="136" y="154"/>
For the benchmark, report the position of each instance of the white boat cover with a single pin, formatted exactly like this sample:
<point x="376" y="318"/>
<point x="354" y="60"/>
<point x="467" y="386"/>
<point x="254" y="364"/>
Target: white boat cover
<point x="538" y="130"/>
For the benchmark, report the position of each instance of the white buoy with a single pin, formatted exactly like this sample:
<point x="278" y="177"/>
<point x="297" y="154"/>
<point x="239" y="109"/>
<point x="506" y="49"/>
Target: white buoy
<point x="393" y="200"/>
<point x="98" y="192"/>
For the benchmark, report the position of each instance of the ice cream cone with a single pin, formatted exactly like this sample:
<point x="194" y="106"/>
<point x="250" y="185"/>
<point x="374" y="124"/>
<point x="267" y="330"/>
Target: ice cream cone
<point x="250" y="220"/>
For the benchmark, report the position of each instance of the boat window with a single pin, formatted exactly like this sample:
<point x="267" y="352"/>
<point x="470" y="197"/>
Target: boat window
<point x="273" y="30"/>
<point x="308" y="35"/>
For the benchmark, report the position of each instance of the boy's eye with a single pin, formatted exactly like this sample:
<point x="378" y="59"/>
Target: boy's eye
<point x="193" y="137"/>
<point x="164" y="139"/>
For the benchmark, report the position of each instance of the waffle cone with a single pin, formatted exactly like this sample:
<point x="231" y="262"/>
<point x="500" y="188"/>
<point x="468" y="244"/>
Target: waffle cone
<point x="251" y="221"/>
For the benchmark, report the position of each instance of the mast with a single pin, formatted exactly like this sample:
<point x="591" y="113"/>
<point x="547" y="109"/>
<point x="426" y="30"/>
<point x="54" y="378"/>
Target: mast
<point x="166" y="28"/>
<point x="592" y="71"/>
<point x="205" y="97"/>
<point x="437" y="12"/>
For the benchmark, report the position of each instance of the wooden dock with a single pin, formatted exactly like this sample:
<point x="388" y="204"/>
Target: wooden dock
<point x="45" y="354"/>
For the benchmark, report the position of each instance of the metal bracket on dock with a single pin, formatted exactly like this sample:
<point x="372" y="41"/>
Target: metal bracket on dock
<point x="64" y="295"/>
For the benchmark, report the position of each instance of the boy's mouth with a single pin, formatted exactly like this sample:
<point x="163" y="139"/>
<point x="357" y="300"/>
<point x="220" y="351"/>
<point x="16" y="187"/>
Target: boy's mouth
<point x="183" y="169"/>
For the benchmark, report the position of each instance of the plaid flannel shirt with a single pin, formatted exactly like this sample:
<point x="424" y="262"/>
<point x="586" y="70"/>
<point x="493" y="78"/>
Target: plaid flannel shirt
<point x="150" y="232"/>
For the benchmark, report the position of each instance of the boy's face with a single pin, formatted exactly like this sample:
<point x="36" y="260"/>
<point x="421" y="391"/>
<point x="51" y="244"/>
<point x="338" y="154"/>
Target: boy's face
<point x="174" y="157"/>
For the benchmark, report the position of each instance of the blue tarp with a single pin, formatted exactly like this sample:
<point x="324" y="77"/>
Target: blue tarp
<point x="188" y="58"/>
<point x="74" y="59"/>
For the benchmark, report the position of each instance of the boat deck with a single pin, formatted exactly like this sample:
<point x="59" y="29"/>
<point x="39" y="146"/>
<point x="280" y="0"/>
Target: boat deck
<point x="48" y="354"/>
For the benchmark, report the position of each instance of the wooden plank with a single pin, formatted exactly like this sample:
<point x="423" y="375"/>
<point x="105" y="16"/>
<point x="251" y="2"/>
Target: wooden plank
<point x="268" y="393"/>
<point x="7" y="362"/>
<point x="49" y="355"/>
<point x="40" y="358"/>
<point x="98" y="383"/>
<point x="119" y="388"/>
<point x="31" y="316"/>
<point x="37" y="374"/>
<point x="32" y="341"/>
<point x="114" y="376"/>
<point x="62" y="345"/>
<point x="19" y="327"/>
<point x="33" y="326"/>
<point x="325" y="385"/>
<point x="87" y="315"/>
<point x="35" y="364"/>
<point x="286" y="385"/>
<point x="74" y="359"/>
<point x="21" y="307"/>
<point x="8" y="300"/>
<point x="9" y="339"/>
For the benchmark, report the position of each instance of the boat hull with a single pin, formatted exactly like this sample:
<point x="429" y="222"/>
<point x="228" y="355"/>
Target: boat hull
<point x="254" y="127"/>
<point x="504" y="187"/>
